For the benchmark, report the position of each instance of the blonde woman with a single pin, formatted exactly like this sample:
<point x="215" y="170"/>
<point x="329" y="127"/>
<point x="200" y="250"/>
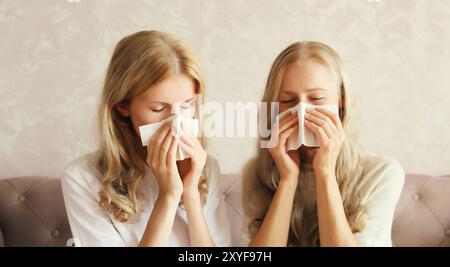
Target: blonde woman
<point x="332" y="195"/>
<point x="127" y="195"/>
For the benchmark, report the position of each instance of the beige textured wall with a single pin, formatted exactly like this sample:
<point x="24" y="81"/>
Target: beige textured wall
<point x="54" y="53"/>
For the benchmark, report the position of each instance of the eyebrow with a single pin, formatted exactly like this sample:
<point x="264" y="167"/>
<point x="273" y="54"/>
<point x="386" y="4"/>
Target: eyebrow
<point x="307" y="90"/>
<point x="315" y="89"/>
<point x="164" y="103"/>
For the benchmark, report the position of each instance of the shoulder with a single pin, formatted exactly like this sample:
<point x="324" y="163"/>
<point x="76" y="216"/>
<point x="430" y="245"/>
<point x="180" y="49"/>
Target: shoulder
<point x="381" y="173"/>
<point x="81" y="170"/>
<point x="212" y="168"/>
<point x="384" y="167"/>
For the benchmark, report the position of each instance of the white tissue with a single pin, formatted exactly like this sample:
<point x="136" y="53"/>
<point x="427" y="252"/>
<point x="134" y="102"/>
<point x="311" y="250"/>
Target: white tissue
<point x="304" y="136"/>
<point x="189" y="126"/>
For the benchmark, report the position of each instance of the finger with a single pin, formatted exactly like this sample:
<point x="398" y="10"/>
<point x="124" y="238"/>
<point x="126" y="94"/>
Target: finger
<point x="322" y="124"/>
<point x="322" y="121"/>
<point x="286" y="117"/>
<point x="159" y="139"/>
<point x="165" y="147"/>
<point x="151" y="156"/>
<point x="188" y="149"/>
<point x="193" y="142"/>
<point x="172" y="153"/>
<point x="280" y="121"/>
<point x="284" y="135"/>
<point x="157" y="133"/>
<point x="288" y="123"/>
<point x="197" y="143"/>
<point x="318" y="131"/>
<point x="289" y="130"/>
<point x="186" y="139"/>
<point x="151" y="146"/>
<point x="334" y="117"/>
<point x="154" y="139"/>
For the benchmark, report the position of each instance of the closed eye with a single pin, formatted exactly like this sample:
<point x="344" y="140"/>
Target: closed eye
<point x="287" y="101"/>
<point x="186" y="105"/>
<point x="158" y="110"/>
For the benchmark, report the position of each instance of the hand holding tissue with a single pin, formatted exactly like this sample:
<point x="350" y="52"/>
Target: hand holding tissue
<point x="180" y="123"/>
<point x="304" y="136"/>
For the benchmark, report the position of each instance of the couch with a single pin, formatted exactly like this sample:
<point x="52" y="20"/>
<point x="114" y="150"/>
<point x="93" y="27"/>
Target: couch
<point x="32" y="211"/>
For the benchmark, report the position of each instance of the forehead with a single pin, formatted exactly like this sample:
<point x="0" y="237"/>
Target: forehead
<point x="308" y="75"/>
<point x="173" y="89"/>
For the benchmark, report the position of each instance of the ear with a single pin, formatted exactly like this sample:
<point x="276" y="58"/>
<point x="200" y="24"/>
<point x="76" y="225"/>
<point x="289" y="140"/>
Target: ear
<point x="123" y="108"/>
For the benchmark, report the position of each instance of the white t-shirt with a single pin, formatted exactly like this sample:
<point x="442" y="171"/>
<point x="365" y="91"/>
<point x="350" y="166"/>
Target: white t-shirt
<point x="380" y="186"/>
<point x="92" y="226"/>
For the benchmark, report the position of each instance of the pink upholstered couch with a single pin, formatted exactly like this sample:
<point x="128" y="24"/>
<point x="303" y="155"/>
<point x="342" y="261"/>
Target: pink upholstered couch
<point x="422" y="216"/>
<point x="32" y="211"/>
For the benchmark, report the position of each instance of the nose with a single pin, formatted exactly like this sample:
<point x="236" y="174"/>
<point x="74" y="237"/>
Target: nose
<point x="175" y="108"/>
<point x="304" y="98"/>
<point x="178" y="109"/>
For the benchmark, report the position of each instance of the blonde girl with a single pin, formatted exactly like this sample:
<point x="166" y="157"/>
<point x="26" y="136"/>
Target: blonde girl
<point x="125" y="194"/>
<point x="333" y="195"/>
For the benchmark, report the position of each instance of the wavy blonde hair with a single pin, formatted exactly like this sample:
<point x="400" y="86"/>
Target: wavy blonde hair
<point x="140" y="61"/>
<point x="260" y="176"/>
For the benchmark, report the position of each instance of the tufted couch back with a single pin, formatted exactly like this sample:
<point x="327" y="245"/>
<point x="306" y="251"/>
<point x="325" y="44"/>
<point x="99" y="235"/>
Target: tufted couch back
<point x="32" y="211"/>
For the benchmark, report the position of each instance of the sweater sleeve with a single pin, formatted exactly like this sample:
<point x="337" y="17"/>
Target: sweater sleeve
<point x="381" y="203"/>
<point x="216" y="215"/>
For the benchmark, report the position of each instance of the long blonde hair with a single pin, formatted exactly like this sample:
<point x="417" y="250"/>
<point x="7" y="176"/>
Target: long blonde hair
<point x="260" y="176"/>
<point x="140" y="61"/>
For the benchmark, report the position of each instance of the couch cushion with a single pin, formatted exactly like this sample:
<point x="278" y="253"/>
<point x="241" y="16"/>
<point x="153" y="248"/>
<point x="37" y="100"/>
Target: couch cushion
<point x="422" y="216"/>
<point x="32" y="212"/>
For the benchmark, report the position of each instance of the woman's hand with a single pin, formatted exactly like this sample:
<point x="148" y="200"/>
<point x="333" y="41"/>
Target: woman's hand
<point x="194" y="149"/>
<point x="328" y="128"/>
<point x="334" y="229"/>
<point x="199" y="234"/>
<point x="274" y="230"/>
<point x="161" y="157"/>
<point x="288" y="163"/>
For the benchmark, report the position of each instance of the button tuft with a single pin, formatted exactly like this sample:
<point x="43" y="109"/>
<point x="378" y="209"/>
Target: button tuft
<point x="55" y="233"/>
